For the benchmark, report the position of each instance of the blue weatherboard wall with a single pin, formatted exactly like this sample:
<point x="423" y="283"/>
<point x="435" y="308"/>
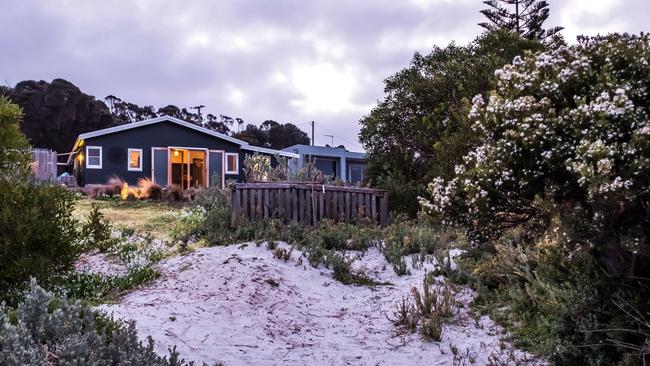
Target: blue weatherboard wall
<point x="115" y="146"/>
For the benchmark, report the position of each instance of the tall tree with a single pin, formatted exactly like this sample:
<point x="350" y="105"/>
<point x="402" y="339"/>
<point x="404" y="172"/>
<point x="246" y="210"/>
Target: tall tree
<point x="273" y="134"/>
<point x="55" y="113"/>
<point x="217" y="124"/>
<point x="420" y="129"/>
<point x="525" y="17"/>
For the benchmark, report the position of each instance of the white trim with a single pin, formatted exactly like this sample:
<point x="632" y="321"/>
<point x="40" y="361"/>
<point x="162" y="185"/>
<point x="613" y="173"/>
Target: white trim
<point x="128" y="160"/>
<point x="151" y="121"/>
<point x="242" y="144"/>
<point x="265" y="150"/>
<point x="88" y="166"/>
<point x="225" y="168"/>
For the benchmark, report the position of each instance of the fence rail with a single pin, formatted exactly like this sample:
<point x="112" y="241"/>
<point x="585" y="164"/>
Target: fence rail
<point x="307" y="203"/>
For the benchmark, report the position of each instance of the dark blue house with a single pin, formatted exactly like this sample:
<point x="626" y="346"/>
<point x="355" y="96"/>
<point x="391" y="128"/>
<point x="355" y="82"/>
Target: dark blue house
<point x="164" y="149"/>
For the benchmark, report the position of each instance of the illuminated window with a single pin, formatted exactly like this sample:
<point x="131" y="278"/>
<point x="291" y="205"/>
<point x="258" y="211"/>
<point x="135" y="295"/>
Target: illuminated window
<point x="232" y="163"/>
<point x="93" y="157"/>
<point x="135" y="160"/>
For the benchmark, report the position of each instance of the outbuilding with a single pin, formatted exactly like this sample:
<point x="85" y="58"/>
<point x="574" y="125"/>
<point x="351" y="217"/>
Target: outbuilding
<point x="336" y="162"/>
<point x="166" y="150"/>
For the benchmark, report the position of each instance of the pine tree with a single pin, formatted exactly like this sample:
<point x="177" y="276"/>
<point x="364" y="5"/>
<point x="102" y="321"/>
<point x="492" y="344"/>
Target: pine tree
<point x="525" y="17"/>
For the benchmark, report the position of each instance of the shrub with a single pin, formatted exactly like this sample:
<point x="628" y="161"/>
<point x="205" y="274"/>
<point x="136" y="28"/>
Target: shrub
<point x="114" y="186"/>
<point x="94" y="287"/>
<point x="149" y="189"/>
<point x="96" y="232"/>
<point x="431" y="328"/>
<point x="564" y="166"/>
<point x="173" y="193"/>
<point x="39" y="236"/>
<point x="429" y="309"/>
<point x="44" y="330"/>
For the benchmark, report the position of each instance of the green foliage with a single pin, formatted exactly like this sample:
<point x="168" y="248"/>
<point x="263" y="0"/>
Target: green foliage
<point x="39" y="235"/>
<point x="429" y="309"/>
<point x="14" y="149"/>
<point x="524" y="17"/>
<point x="44" y="331"/>
<point x="273" y="134"/>
<point x="342" y="271"/>
<point x="558" y="193"/>
<point x="258" y="168"/>
<point x="95" y="288"/>
<point x="96" y="232"/>
<point x="421" y="130"/>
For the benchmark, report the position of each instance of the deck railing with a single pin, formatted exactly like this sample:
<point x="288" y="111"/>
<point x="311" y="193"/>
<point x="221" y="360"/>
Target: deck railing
<point x="307" y="203"/>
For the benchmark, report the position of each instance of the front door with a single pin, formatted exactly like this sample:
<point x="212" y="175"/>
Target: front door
<point x="159" y="165"/>
<point x="215" y="168"/>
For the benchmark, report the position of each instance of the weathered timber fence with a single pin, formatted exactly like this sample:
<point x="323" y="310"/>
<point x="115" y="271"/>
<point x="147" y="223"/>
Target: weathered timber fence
<point x="307" y="203"/>
<point x="44" y="164"/>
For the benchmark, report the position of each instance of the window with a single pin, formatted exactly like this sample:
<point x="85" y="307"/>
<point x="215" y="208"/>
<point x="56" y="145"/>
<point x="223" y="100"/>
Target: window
<point x="232" y="163"/>
<point x="135" y="160"/>
<point x="93" y="157"/>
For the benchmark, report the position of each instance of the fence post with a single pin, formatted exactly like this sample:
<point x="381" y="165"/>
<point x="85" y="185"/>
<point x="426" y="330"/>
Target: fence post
<point x="234" y="206"/>
<point x="384" y="209"/>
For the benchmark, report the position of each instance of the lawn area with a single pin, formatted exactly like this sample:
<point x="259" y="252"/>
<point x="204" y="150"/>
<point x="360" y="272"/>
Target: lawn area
<point x="153" y="217"/>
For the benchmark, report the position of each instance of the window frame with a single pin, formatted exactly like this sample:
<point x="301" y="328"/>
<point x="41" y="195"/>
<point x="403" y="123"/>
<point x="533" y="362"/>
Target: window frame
<point x="101" y="160"/>
<point x="128" y="160"/>
<point x="225" y="168"/>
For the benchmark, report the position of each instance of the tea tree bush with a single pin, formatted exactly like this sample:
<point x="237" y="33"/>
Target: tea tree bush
<point x="565" y="165"/>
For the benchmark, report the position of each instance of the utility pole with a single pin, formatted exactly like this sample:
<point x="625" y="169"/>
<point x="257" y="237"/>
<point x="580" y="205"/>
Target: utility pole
<point x="312" y="133"/>
<point x="198" y="111"/>
<point x="332" y="137"/>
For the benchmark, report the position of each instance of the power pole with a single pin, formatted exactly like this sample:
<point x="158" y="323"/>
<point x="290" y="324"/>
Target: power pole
<point x="332" y="137"/>
<point x="312" y="133"/>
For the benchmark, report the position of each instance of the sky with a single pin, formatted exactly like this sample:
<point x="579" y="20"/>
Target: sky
<point x="287" y="60"/>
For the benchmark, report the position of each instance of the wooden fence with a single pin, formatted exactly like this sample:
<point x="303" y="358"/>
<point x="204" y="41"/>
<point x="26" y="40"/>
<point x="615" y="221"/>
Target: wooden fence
<point x="307" y="203"/>
<point x="44" y="164"/>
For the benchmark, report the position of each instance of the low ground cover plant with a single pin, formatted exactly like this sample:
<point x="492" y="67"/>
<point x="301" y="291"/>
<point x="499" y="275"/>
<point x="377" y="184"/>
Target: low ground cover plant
<point x="427" y="309"/>
<point x="45" y="330"/>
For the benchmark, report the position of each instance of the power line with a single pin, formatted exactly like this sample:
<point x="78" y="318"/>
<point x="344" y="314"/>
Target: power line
<point x="340" y="138"/>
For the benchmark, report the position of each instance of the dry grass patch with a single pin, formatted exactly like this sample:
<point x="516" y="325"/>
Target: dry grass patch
<point x="154" y="217"/>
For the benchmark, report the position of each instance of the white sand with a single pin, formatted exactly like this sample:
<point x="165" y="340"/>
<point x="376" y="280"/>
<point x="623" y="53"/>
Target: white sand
<point x="215" y="304"/>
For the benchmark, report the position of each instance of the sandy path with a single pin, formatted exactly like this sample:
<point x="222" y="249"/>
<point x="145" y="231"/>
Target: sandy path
<point x="216" y="304"/>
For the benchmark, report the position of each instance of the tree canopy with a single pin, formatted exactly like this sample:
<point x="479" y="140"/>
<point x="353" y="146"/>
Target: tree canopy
<point x="55" y="113"/>
<point x="524" y="17"/>
<point x="420" y="129"/>
<point x="273" y="134"/>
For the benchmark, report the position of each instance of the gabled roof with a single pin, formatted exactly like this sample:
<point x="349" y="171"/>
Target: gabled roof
<point x="325" y="151"/>
<point x="152" y="121"/>
<point x="242" y="144"/>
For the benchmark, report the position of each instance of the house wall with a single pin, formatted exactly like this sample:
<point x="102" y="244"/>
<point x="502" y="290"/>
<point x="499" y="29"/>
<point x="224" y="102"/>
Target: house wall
<point x="163" y="134"/>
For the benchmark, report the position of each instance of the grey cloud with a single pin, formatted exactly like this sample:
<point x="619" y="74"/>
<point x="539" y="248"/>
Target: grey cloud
<point x="138" y="50"/>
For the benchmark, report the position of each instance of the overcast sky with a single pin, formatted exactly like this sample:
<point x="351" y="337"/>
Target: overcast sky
<point x="291" y="61"/>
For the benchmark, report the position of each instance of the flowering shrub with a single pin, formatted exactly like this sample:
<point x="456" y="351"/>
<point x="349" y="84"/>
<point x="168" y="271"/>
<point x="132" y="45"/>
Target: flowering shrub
<point x="565" y="163"/>
<point x="568" y="127"/>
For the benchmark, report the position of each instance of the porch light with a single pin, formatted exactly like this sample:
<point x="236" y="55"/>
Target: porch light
<point x="80" y="157"/>
<point x="175" y="152"/>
